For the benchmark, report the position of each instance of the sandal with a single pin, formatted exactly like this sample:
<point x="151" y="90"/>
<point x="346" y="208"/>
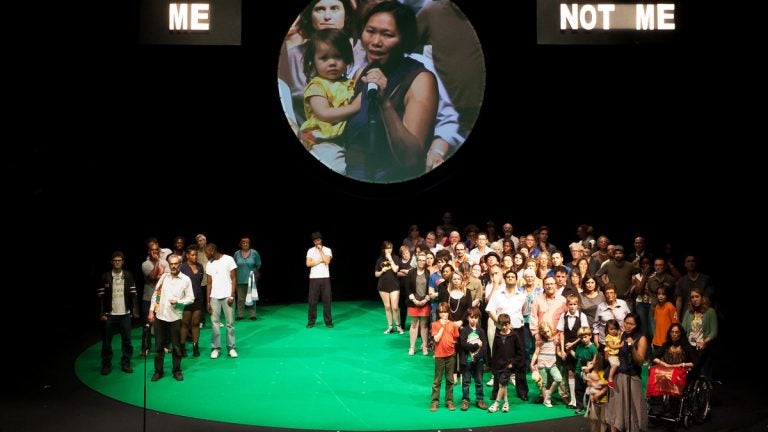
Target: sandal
<point x="388" y="330"/>
<point x="505" y="407"/>
<point x="494" y="407"/>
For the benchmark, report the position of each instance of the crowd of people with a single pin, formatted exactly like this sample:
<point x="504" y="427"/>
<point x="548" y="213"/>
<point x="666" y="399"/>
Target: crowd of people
<point x="585" y="328"/>
<point x="479" y="301"/>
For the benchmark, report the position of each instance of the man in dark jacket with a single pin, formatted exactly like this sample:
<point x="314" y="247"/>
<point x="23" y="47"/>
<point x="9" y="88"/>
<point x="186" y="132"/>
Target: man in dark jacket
<point x="117" y="299"/>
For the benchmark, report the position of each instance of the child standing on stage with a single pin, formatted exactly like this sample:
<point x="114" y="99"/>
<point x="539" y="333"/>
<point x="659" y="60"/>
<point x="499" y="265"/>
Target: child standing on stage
<point x="507" y="357"/>
<point x="545" y="360"/>
<point x="474" y="345"/>
<point x="585" y="353"/>
<point x="664" y="314"/>
<point x="445" y="334"/>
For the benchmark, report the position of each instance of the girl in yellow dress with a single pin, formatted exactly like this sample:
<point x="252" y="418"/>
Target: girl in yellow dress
<point x="328" y="96"/>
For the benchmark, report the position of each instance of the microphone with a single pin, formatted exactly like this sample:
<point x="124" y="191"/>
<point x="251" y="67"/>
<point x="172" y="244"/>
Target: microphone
<point x="372" y="90"/>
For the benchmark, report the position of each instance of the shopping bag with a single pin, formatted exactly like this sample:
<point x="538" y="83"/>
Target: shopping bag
<point x="252" y="294"/>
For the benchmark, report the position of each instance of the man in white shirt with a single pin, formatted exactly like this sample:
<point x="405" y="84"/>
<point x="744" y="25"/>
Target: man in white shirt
<point x="318" y="260"/>
<point x="222" y="282"/>
<point x="172" y="292"/>
<point x="481" y="250"/>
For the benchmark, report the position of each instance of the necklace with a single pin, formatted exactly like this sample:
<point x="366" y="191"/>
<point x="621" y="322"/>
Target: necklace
<point x="458" y="302"/>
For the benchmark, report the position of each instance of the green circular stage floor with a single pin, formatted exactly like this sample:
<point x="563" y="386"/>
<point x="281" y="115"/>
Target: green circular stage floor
<point x="351" y="377"/>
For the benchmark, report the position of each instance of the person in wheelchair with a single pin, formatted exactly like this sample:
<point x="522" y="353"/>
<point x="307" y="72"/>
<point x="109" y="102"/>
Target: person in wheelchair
<point x="675" y="353"/>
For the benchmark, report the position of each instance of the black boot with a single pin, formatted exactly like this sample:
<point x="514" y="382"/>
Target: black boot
<point x="195" y="350"/>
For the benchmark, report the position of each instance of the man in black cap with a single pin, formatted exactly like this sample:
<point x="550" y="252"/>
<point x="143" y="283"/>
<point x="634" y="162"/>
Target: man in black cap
<point x="318" y="260"/>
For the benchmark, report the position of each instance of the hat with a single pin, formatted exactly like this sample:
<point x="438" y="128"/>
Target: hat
<point x="498" y="258"/>
<point x="618" y="248"/>
<point x="316" y="235"/>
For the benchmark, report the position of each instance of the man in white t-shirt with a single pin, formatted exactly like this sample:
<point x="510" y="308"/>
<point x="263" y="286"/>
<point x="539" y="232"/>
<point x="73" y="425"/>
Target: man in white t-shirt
<point x="222" y="281"/>
<point x="318" y="260"/>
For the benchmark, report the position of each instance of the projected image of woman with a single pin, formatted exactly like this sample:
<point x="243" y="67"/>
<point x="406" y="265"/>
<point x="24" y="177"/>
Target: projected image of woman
<point x="387" y="139"/>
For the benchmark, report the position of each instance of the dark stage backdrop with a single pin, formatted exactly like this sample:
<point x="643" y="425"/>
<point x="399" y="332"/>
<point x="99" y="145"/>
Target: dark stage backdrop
<point x="192" y="139"/>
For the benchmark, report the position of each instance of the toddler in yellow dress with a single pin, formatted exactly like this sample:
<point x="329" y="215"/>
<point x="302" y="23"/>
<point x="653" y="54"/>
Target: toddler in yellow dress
<point x="328" y="96"/>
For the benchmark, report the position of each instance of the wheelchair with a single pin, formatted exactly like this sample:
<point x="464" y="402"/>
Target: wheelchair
<point x="668" y="403"/>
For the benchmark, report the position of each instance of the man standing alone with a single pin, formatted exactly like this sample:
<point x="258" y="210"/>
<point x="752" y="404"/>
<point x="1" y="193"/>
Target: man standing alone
<point x="318" y="260"/>
<point x="117" y="296"/>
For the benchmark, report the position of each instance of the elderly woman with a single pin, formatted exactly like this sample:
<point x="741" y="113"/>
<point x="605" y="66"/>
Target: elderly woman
<point x="387" y="140"/>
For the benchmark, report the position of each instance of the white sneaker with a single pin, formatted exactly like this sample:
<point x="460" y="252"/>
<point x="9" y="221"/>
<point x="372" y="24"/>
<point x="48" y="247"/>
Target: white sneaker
<point x="490" y="383"/>
<point x="547" y="399"/>
<point x="214" y="354"/>
<point x="232" y="353"/>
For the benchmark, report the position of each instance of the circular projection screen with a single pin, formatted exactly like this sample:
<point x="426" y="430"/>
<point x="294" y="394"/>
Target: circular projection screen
<point x="381" y="91"/>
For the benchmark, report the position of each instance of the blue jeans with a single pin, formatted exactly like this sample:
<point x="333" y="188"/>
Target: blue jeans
<point x="473" y="370"/>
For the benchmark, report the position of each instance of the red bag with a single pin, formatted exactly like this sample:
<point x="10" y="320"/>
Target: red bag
<point x="666" y="381"/>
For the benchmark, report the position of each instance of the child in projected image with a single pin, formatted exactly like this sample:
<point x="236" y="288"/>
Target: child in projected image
<point x="328" y="96"/>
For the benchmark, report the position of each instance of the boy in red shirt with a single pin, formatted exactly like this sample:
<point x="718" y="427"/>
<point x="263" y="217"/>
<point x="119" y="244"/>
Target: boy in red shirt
<point x="445" y="333"/>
